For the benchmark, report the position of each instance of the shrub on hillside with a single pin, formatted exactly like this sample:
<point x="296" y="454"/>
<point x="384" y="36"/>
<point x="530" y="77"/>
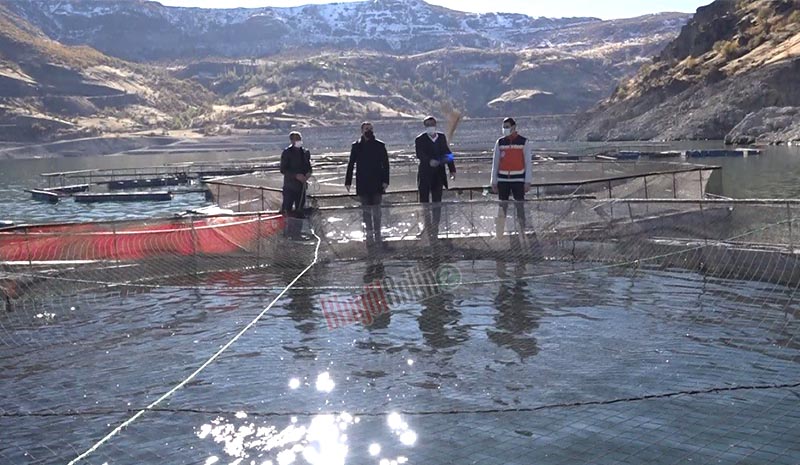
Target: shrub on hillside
<point x="728" y="49"/>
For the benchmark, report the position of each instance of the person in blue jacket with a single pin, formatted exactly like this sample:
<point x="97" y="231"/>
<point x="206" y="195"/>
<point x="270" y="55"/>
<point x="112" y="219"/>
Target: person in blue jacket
<point x="433" y="153"/>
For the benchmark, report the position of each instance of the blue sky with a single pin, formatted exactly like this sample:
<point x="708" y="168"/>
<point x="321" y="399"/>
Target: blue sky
<point x="605" y="9"/>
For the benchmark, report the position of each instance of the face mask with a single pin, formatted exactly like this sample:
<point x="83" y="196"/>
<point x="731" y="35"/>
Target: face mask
<point x="298" y="144"/>
<point x="506" y="131"/>
<point x="369" y="135"/>
<point x="431" y="130"/>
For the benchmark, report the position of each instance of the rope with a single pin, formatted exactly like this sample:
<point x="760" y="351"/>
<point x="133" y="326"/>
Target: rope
<point x="617" y="400"/>
<point x="202" y="367"/>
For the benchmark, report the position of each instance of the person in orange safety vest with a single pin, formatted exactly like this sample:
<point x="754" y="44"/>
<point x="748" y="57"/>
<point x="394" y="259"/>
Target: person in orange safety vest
<point x="512" y="173"/>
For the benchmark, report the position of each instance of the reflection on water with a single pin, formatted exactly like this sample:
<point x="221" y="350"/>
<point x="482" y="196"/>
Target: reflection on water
<point x="517" y="317"/>
<point x="298" y="302"/>
<point x="322" y="441"/>
<point x="514" y="336"/>
<point x="439" y="317"/>
<point x="374" y="273"/>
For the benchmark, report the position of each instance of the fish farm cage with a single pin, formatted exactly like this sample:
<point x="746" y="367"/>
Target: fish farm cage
<point x="619" y="315"/>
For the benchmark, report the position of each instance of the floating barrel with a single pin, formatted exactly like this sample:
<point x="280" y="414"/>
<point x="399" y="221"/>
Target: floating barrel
<point x="722" y="153"/>
<point x="151" y="182"/>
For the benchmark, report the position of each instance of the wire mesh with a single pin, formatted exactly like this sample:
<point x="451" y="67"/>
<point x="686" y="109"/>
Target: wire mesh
<point x="595" y="331"/>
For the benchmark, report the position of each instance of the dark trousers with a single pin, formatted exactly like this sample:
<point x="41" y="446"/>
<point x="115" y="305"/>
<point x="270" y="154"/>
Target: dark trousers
<point x="371" y="213"/>
<point x="292" y="208"/>
<point x="505" y="190"/>
<point x="432" y="191"/>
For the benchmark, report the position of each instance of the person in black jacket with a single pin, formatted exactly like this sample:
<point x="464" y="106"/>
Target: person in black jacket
<point x="372" y="178"/>
<point x="296" y="169"/>
<point x="433" y="153"/>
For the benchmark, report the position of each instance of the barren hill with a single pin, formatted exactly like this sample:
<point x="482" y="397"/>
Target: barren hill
<point x="121" y="65"/>
<point x="735" y="65"/>
<point x="50" y="90"/>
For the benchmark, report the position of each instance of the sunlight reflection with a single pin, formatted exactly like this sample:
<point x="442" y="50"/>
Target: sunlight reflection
<point x="400" y="428"/>
<point x="374" y="449"/>
<point x="322" y="442"/>
<point x="408" y="438"/>
<point x="286" y="457"/>
<point x="326" y="442"/>
<point x="324" y="382"/>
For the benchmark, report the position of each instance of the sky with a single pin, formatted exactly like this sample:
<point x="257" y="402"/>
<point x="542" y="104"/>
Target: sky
<point x="605" y="9"/>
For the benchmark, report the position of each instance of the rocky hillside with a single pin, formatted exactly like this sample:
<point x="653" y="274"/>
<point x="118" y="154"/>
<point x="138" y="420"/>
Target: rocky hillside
<point x="48" y="90"/>
<point x="274" y="67"/>
<point x="480" y="83"/>
<point x="572" y="69"/>
<point x="143" y="30"/>
<point x="735" y="65"/>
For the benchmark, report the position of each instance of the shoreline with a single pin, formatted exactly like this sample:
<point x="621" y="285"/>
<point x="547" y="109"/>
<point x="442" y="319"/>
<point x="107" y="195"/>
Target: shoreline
<point x="325" y="139"/>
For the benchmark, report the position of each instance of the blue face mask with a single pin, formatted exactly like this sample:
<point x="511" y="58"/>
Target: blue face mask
<point x="431" y="130"/>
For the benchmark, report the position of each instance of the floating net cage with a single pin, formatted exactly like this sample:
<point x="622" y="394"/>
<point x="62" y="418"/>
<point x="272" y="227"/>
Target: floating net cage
<point x="597" y="326"/>
<point x="601" y="179"/>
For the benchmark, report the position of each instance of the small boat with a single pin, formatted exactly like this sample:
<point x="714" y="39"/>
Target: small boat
<point x="43" y="195"/>
<point x="54" y="194"/>
<point x="66" y="190"/>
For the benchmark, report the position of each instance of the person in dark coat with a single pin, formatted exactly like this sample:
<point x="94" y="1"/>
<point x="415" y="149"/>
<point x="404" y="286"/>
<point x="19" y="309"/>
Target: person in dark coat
<point x="369" y="157"/>
<point x="433" y="153"/>
<point x="296" y="169"/>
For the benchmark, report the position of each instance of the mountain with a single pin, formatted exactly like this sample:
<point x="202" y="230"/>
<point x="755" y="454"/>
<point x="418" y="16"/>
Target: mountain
<point x="731" y="73"/>
<point x="51" y="90"/>
<point x="147" y="31"/>
<point x="480" y="83"/>
<point x="275" y="67"/>
<point x="143" y="30"/>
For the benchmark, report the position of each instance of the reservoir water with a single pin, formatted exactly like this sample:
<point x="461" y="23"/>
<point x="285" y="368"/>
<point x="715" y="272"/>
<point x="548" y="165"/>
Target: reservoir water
<point x="774" y="174"/>
<point x="516" y="362"/>
<point x="521" y="363"/>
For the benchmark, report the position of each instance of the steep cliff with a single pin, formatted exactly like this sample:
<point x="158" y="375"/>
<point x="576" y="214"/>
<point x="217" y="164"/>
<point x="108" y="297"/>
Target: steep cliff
<point x="732" y="59"/>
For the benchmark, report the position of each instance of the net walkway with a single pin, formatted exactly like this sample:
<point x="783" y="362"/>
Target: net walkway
<point x="595" y="331"/>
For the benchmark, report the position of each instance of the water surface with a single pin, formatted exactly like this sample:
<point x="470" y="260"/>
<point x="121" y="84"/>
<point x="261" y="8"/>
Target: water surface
<point x="523" y="363"/>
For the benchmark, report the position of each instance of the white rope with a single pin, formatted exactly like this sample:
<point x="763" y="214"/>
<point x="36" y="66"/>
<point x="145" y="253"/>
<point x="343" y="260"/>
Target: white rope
<point x="208" y="362"/>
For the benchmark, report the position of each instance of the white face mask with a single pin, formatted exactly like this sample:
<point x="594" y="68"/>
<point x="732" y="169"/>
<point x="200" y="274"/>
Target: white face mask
<point x="298" y="144"/>
<point x="506" y="131"/>
<point x="431" y="130"/>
